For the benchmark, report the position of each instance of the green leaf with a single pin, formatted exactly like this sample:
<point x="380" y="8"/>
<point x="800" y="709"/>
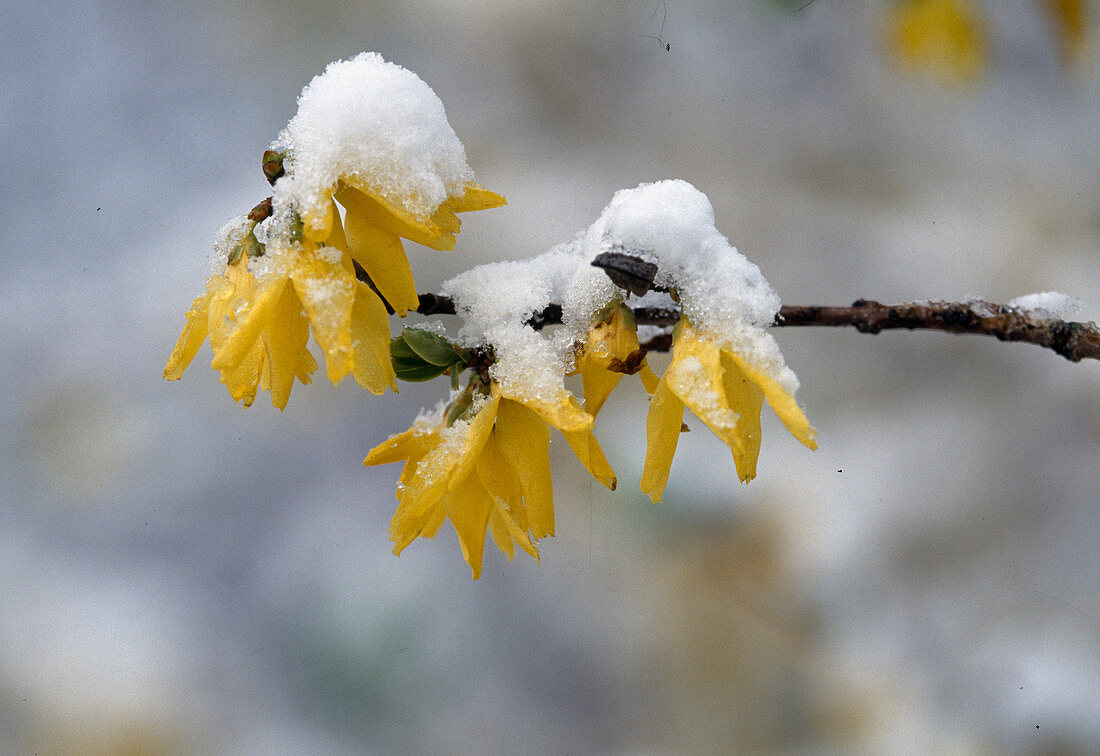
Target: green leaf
<point x="416" y="371"/>
<point x="431" y="347"/>
<point x="399" y="350"/>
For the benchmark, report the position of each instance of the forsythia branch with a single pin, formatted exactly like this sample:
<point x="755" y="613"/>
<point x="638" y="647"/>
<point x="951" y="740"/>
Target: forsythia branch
<point x="1073" y="340"/>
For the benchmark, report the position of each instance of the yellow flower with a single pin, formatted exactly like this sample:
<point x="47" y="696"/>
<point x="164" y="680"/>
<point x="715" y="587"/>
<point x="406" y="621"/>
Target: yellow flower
<point x="726" y="393"/>
<point x="944" y="36"/>
<point x="489" y="472"/>
<point x="611" y="351"/>
<point x="373" y="227"/>
<point x="258" y="325"/>
<point x="1072" y="26"/>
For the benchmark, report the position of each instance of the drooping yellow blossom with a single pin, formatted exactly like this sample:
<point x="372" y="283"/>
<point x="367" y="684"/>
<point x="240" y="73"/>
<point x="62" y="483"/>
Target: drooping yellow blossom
<point x="611" y="351"/>
<point x="490" y="472"/>
<point x="258" y="326"/>
<point x="373" y="227"/>
<point x="944" y="36"/>
<point x="726" y="393"/>
<point x="1073" y="29"/>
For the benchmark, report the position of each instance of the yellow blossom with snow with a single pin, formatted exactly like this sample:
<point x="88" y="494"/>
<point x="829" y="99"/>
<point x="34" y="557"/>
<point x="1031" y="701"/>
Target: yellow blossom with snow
<point x="487" y="473"/>
<point x="723" y="390"/>
<point x="610" y="351"/>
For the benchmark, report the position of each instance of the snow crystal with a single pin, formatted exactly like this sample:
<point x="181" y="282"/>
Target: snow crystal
<point x="430" y="326"/>
<point x="1051" y="305"/>
<point x="331" y="255"/>
<point x="376" y="125"/>
<point x="441" y="459"/>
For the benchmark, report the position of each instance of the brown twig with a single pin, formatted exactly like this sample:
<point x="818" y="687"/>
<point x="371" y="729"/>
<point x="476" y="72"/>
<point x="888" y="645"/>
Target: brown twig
<point x="1074" y="341"/>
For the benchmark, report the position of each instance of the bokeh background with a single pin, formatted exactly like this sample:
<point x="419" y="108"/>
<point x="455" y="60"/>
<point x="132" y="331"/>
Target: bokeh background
<point x="179" y="575"/>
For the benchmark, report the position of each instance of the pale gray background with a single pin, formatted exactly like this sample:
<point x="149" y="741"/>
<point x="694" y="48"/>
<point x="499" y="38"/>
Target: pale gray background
<point x="180" y="575"/>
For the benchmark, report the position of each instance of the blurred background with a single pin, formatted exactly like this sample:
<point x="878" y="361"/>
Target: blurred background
<point x="179" y="575"/>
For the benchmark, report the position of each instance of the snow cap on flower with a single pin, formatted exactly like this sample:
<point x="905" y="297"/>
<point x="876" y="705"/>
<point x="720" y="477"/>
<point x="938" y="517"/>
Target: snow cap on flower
<point x="722" y="293"/>
<point x="377" y="126"/>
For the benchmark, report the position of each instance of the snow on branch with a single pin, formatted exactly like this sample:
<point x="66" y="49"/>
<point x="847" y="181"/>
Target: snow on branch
<point x="1073" y="340"/>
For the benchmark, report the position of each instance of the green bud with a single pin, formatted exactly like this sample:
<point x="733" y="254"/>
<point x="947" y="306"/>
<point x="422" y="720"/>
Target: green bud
<point x="604" y="313"/>
<point x="249" y="245"/>
<point x="460" y="407"/>
<point x="628" y="317"/>
<point x="273" y="165"/>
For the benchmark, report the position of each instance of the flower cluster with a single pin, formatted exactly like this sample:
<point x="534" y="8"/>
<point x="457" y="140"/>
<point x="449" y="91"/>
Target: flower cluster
<point x="321" y="270"/>
<point x="370" y="160"/>
<point x="949" y="37"/>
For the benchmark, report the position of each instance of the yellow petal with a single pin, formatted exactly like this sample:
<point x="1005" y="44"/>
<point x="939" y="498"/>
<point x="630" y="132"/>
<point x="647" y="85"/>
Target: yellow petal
<point x="468" y="508"/>
<point x="409" y="523"/>
<point x="588" y="451"/>
<point x="285" y="335"/>
<point x="446" y="220"/>
<point x="782" y="403"/>
<point x="501" y="537"/>
<point x="316" y="226"/>
<point x="500" y="480"/>
<point x="944" y="36"/>
<point x="502" y="484"/>
<point x="564" y="413"/>
<point x="475" y="197"/>
<point x="649" y="378"/>
<point x="370" y="340"/>
<point x="404" y="445"/>
<point x="1071" y="22"/>
<point x="306" y="366"/>
<point x="663" y="423"/>
<point x="525" y="441"/>
<point x="597" y="383"/>
<point x="415" y="515"/>
<point x="335" y="236"/>
<point x="695" y="376"/>
<point x="746" y="399"/>
<point x="434" y="523"/>
<point x="380" y="213"/>
<point x="194" y="332"/>
<point x="476" y="437"/>
<point x="380" y="253"/>
<point x="233" y="342"/>
<point x="327" y="292"/>
<point x="243" y="378"/>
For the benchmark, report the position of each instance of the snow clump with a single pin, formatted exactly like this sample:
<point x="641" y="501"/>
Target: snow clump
<point x="377" y="126"/>
<point x="669" y="223"/>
